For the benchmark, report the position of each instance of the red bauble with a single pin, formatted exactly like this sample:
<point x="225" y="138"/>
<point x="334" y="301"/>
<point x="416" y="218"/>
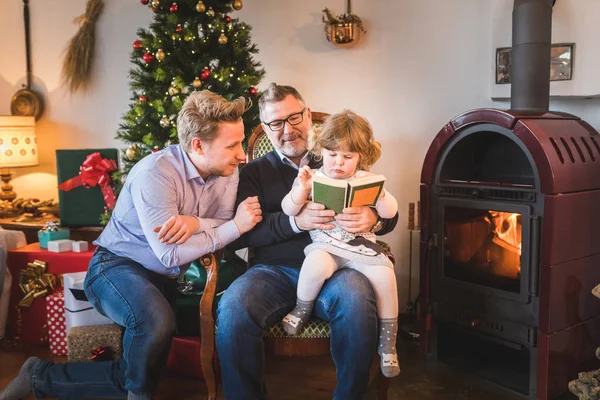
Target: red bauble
<point x="148" y="58"/>
<point x="228" y="19"/>
<point x="155" y="10"/>
<point x="179" y="28"/>
<point x="144" y="2"/>
<point x="174" y="8"/>
<point x="205" y="74"/>
<point x="143" y="99"/>
<point x="155" y="149"/>
<point x="137" y="45"/>
<point x="252" y="91"/>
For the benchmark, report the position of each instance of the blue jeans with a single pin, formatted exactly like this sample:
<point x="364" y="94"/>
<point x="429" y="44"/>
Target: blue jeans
<point x="135" y="298"/>
<point x="263" y="296"/>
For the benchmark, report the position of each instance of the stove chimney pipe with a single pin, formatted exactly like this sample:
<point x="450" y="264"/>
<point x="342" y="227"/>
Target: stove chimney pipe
<point x="530" y="56"/>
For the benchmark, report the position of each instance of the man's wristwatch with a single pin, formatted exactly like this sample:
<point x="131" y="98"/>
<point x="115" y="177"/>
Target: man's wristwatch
<point x="378" y="225"/>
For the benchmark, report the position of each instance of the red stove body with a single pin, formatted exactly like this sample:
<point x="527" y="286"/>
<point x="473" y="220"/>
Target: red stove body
<point x="510" y="248"/>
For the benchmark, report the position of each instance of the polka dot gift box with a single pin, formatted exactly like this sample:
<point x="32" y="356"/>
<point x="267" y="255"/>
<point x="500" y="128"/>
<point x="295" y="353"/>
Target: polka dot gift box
<point x="57" y="328"/>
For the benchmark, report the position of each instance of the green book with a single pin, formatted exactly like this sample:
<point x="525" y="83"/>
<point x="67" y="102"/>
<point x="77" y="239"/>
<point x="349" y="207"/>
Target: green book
<point x="337" y="194"/>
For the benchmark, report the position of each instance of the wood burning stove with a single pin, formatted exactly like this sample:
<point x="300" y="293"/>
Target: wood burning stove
<point x="511" y="248"/>
<point x="510" y="232"/>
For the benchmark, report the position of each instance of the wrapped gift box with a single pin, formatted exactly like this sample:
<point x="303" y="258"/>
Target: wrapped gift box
<point x="80" y="206"/>
<point x="57" y="330"/>
<point x="29" y="323"/>
<point x="83" y="342"/>
<point x="9" y="240"/>
<point x="46" y="236"/>
<point x="184" y="358"/>
<point x="79" y="311"/>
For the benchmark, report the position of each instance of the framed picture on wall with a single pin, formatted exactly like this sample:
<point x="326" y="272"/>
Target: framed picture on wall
<point x="561" y="63"/>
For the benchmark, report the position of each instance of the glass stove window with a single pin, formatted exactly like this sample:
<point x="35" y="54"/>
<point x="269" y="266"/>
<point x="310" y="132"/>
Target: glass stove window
<point x="483" y="247"/>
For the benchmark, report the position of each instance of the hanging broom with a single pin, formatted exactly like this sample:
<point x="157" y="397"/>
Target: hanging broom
<point x="77" y="65"/>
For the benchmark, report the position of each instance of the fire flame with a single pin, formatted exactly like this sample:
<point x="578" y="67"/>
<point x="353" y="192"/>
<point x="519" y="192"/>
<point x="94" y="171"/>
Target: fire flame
<point x="508" y="229"/>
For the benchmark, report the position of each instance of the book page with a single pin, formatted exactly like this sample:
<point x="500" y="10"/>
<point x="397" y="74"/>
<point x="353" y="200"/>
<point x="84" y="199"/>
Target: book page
<point x="365" y="191"/>
<point x="330" y="192"/>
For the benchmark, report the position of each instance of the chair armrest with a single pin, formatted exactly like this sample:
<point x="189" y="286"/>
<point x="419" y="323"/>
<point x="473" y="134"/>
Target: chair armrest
<point x="207" y="323"/>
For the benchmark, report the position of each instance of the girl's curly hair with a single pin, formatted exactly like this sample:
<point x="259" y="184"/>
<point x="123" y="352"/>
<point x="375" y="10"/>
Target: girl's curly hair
<point x="346" y="128"/>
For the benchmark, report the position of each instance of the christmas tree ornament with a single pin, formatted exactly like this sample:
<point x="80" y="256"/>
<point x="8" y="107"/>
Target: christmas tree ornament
<point x="144" y="2"/>
<point x="210" y="12"/>
<point x="227" y="19"/>
<point x="230" y="26"/>
<point x="197" y="83"/>
<point x="214" y="64"/>
<point x="205" y="74"/>
<point x="160" y="55"/>
<point x="130" y="152"/>
<point x="237" y="5"/>
<point x="200" y="7"/>
<point x="142" y="99"/>
<point x="155" y="149"/>
<point x="252" y="91"/>
<point x="174" y="8"/>
<point x="155" y="4"/>
<point x="168" y="143"/>
<point x="222" y="39"/>
<point x="148" y="58"/>
<point x="164" y="122"/>
<point x="200" y="32"/>
<point x="137" y="45"/>
<point x="179" y="28"/>
<point x="173" y="90"/>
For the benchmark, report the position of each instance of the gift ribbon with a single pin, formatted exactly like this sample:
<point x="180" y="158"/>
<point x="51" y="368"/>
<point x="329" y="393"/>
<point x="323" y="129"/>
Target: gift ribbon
<point x="51" y="226"/>
<point x="35" y="282"/>
<point x="94" y="171"/>
<point x="101" y="354"/>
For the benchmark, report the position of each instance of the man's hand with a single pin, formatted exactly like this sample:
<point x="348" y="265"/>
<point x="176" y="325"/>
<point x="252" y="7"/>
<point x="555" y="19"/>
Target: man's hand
<point x="248" y="214"/>
<point x="357" y="219"/>
<point x="314" y="216"/>
<point x="177" y="229"/>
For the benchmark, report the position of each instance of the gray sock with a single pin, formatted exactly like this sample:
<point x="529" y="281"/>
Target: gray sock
<point x="21" y="385"/>
<point x="133" y="396"/>
<point x="388" y="329"/>
<point x="295" y="320"/>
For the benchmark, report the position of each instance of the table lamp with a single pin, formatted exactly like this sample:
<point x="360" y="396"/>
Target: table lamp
<point x="18" y="148"/>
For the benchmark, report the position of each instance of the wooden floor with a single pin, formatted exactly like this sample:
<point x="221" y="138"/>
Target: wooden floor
<point x="309" y="378"/>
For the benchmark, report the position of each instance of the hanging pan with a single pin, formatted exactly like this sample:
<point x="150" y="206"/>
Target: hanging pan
<point x="26" y="102"/>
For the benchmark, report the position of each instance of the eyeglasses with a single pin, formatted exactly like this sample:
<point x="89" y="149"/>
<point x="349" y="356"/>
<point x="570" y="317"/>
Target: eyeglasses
<point x="292" y="119"/>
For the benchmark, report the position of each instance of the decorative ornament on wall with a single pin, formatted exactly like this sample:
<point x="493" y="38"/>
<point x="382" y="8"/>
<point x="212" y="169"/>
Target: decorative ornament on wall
<point x="345" y="29"/>
<point x="77" y="65"/>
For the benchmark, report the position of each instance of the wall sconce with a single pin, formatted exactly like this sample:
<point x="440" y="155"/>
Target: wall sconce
<point x="18" y="148"/>
<point x="345" y="29"/>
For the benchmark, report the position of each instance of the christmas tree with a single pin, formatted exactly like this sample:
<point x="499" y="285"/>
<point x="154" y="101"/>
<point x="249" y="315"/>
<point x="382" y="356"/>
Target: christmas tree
<point x="190" y="45"/>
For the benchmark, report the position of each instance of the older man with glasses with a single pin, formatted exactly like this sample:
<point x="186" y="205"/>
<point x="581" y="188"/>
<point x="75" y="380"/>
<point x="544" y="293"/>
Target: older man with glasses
<point x="267" y="291"/>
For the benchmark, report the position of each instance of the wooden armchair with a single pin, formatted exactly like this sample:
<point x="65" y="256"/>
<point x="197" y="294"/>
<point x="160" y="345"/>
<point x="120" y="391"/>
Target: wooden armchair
<point x="314" y="338"/>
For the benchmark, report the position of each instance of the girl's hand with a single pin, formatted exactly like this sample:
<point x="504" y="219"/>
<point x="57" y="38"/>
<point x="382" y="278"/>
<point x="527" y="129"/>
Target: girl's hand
<point x="305" y="175"/>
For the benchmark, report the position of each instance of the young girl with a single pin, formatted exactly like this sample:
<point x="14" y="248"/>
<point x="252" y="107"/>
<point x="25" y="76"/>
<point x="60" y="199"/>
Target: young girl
<point x="345" y="144"/>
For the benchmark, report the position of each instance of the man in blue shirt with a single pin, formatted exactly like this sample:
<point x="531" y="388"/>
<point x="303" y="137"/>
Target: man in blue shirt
<point x="176" y="205"/>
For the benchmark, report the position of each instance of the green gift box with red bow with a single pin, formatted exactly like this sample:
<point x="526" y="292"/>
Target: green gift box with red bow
<point x="85" y="185"/>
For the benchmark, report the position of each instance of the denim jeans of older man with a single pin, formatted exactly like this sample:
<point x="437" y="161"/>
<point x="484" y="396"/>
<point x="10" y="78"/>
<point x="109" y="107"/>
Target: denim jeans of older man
<point x="135" y="298"/>
<point x="263" y="296"/>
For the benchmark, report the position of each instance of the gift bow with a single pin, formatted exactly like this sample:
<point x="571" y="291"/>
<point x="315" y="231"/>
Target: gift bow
<point x="51" y="226"/>
<point x="35" y="282"/>
<point x="94" y="171"/>
<point x="101" y="354"/>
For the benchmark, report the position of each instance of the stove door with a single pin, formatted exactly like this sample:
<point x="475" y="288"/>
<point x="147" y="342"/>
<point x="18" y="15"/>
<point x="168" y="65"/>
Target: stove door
<point x="485" y="247"/>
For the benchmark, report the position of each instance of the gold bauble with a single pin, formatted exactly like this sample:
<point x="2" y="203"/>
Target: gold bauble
<point x="200" y="7"/>
<point x="130" y="152"/>
<point x="222" y="39"/>
<point x="210" y="12"/>
<point x="173" y="90"/>
<point x="160" y="55"/>
<point x="164" y="122"/>
<point x="197" y="83"/>
<point x="237" y="5"/>
<point x="155" y="3"/>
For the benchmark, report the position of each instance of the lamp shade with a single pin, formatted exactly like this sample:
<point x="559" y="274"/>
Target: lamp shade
<point x="18" y="145"/>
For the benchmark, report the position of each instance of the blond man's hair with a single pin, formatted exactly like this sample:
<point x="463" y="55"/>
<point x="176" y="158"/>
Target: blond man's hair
<point x="350" y="129"/>
<point x="276" y="93"/>
<point x="202" y="113"/>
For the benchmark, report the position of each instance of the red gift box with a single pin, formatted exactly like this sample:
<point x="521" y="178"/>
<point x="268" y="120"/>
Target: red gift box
<point x="184" y="358"/>
<point x="30" y="324"/>
<point x="57" y="326"/>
